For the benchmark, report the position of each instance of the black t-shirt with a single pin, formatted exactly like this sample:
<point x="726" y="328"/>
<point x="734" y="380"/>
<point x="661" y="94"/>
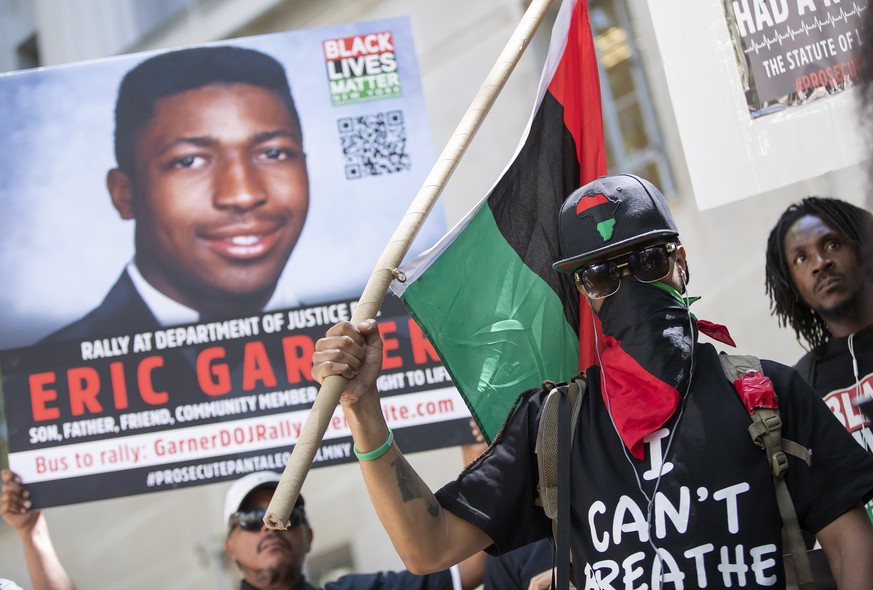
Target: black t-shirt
<point x="829" y="370"/>
<point x="714" y="518"/>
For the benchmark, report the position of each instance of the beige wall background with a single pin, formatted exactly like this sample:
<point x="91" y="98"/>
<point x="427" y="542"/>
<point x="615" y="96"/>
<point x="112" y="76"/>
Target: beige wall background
<point x="175" y="539"/>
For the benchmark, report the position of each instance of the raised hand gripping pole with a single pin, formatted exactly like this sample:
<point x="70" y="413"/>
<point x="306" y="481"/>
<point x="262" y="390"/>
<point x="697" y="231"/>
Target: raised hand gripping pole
<point x="279" y="510"/>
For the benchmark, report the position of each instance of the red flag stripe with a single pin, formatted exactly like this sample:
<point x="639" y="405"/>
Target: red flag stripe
<point x="576" y="85"/>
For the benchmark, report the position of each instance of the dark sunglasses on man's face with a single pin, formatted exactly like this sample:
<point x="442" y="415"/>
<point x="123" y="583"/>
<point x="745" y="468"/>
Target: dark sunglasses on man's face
<point x="648" y="265"/>
<point x="253" y="520"/>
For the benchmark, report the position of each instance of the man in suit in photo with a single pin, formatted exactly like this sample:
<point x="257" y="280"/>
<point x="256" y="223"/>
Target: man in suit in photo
<point x="211" y="168"/>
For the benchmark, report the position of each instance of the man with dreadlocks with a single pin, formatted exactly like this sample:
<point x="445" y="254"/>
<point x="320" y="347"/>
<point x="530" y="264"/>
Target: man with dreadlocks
<point x="820" y="281"/>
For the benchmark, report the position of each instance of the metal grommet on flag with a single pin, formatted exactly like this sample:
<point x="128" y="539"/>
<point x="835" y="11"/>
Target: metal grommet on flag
<point x="399" y="275"/>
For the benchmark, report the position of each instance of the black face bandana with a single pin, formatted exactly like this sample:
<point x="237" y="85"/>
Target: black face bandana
<point x="646" y="362"/>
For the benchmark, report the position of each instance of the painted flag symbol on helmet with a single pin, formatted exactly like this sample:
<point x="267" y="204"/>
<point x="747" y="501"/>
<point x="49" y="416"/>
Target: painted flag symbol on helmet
<point x="602" y="210"/>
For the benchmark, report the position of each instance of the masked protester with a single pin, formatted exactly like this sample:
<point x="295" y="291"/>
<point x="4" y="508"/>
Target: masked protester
<point x="667" y="487"/>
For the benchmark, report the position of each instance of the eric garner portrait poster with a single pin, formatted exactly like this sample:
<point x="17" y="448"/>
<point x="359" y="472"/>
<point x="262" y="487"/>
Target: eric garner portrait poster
<point x="179" y="228"/>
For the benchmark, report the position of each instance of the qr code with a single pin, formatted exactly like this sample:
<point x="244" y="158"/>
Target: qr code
<point x="374" y="144"/>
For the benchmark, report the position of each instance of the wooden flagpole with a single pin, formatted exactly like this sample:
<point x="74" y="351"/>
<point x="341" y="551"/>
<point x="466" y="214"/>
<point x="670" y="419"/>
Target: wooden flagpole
<point x="377" y="286"/>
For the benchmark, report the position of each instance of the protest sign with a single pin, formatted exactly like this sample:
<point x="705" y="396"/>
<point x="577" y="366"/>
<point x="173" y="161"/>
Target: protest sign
<point x="250" y="218"/>
<point x="794" y="51"/>
<point x="204" y="402"/>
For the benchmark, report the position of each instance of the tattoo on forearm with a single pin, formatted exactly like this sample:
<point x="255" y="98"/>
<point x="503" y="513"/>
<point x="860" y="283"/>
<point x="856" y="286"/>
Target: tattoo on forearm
<point x="412" y="488"/>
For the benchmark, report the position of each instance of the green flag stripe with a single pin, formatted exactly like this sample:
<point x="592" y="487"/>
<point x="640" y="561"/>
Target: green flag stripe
<point x="518" y="319"/>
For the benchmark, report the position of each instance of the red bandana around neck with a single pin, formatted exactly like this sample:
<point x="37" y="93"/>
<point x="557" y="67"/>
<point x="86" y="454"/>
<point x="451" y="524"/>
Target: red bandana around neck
<point x="646" y="364"/>
<point x="639" y="402"/>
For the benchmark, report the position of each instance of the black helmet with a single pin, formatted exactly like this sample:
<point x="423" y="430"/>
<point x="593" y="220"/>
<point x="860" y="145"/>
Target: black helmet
<point x="609" y="215"/>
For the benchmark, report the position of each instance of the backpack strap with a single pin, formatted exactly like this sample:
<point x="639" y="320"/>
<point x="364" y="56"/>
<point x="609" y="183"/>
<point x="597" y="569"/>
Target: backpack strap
<point x="756" y="391"/>
<point x="547" y="439"/>
<point x="555" y="434"/>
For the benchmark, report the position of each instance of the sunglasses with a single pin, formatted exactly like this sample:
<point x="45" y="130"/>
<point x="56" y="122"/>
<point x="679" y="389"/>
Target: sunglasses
<point x="253" y="520"/>
<point x="647" y="266"/>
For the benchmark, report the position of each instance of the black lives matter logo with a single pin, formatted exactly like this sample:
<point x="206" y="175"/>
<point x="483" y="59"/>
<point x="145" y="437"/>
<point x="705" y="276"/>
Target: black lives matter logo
<point x="361" y="68"/>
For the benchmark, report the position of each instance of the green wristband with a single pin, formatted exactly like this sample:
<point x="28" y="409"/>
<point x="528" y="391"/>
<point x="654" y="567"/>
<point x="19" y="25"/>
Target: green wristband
<point x="372" y="455"/>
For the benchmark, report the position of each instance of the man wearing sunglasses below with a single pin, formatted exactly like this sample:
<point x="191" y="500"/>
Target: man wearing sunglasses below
<point x="271" y="559"/>
<point x="667" y="487"/>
